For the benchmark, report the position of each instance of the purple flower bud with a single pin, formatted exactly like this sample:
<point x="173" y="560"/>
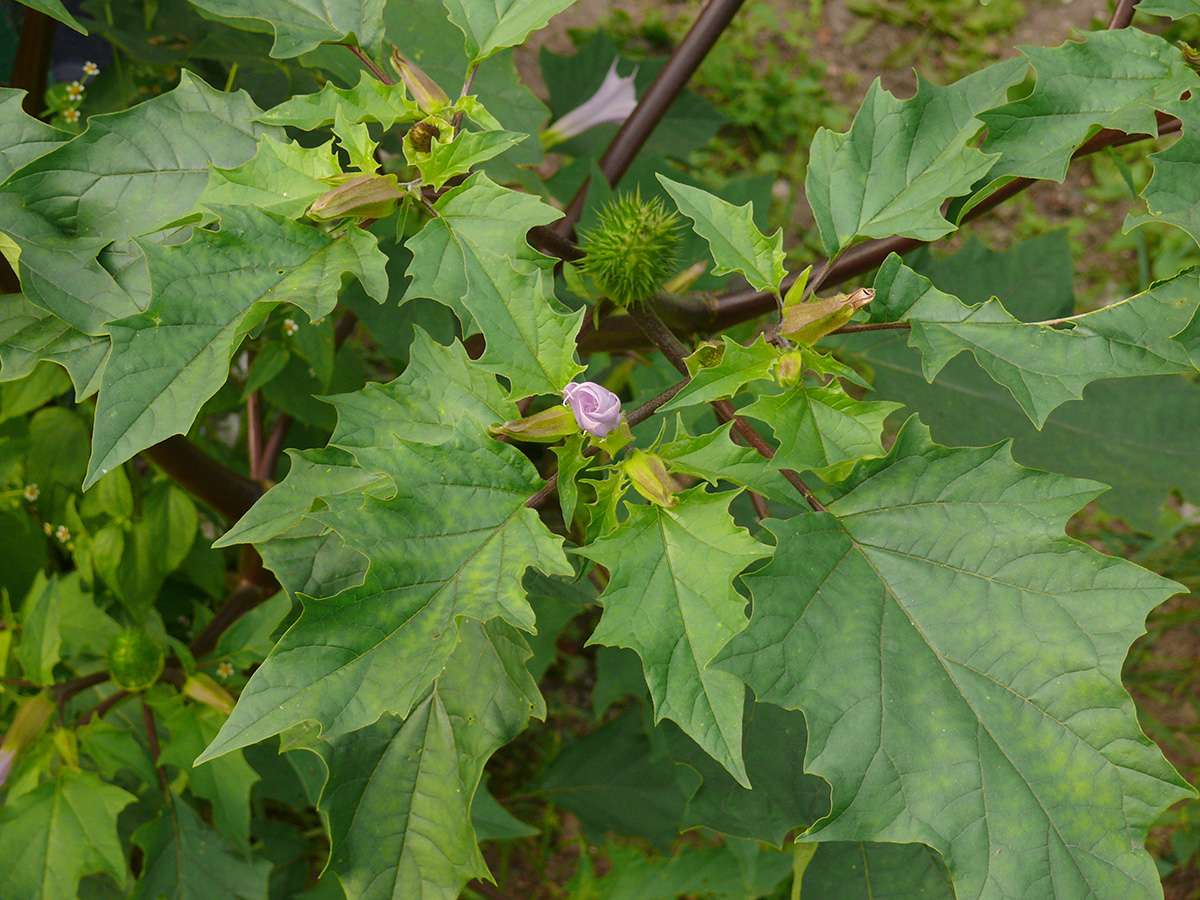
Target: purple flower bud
<point x="6" y="761"/>
<point x="596" y="408"/>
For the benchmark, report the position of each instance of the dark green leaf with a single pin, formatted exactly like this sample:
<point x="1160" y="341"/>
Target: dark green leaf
<point x="53" y="835"/>
<point x="889" y="174"/>
<point x="492" y="25"/>
<point x="613" y="781"/>
<point x="1173" y="193"/>
<point x="782" y="797"/>
<point x="302" y="25"/>
<point x="737" y="244"/>
<point x="671" y="599"/>
<point x="958" y="663"/>
<point x="455" y="541"/>
<point x="475" y="249"/>
<point x="400" y="791"/>
<point x="208" y="293"/>
<point x="22" y="137"/>
<point x="1115" y="79"/>
<point x="187" y="860"/>
<point x="1044" y="366"/>
<point x="842" y="870"/>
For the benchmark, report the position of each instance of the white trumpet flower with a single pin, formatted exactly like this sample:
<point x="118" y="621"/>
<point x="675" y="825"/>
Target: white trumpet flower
<point x="613" y="102"/>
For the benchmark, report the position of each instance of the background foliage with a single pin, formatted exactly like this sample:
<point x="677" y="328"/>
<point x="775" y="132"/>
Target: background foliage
<point x="291" y="607"/>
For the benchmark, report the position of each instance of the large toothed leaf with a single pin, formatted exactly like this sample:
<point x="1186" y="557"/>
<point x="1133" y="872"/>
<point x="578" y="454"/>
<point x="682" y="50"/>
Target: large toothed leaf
<point x="187" y="860"/>
<point x="131" y="171"/>
<point x="715" y="457"/>
<point x="737" y="244"/>
<point x="29" y="334"/>
<point x="491" y="25"/>
<point x="208" y="293"/>
<point x="282" y="178"/>
<point x="454" y="541"/>
<point x="819" y="426"/>
<point x="400" y="791"/>
<point x="1115" y="79"/>
<point x="845" y="870"/>
<point x="1176" y="9"/>
<point x="671" y="599"/>
<point x="958" y="659"/>
<point x="1173" y="194"/>
<point x="368" y="101"/>
<point x="1137" y="435"/>
<point x="474" y="258"/>
<point x="889" y="174"/>
<point x="58" y="832"/>
<point x="22" y="137"/>
<point x="302" y="25"/>
<point x="1045" y="366"/>
<point x="128" y="174"/>
<point x="738" y="366"/>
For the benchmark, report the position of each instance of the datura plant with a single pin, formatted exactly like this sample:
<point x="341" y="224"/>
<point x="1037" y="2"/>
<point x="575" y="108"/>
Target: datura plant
<point x="331" y="449"/>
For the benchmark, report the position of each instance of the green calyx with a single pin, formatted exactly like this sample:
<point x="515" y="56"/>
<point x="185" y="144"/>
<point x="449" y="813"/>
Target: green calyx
<point x="632" y="250"/>
<point x="134" y="660"/>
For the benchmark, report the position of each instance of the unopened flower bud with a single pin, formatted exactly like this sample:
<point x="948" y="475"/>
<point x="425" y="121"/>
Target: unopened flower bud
<point x="30" y="719"/>
<point x="204" y="690"/>
<point x="650" y="478"/>
<point x="790" y="368"/>
<point x="363" y="196"/>
<point x="545" y="427"/>
<point x="429" y="96"/>
<point x="808" y="322"/>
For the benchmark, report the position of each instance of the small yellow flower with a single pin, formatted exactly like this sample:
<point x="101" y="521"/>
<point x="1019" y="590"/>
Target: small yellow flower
<point x="90" y="69"/>
<point x="74" y="90"/>
<point x="225" y="669"/>
<point x="48" y="528"/>
<point x="71" y="115"/>
<point x="62" y="533"/>
<point x="31" y="492"/>
<point x="290" y="327"/>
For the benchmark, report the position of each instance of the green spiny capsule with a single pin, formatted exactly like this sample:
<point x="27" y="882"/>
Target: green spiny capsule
<point x="631" y="252"/>
<point x="134" y="660"/>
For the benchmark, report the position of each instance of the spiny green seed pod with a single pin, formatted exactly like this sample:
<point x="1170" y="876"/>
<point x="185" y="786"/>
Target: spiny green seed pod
<point x="134" y="660"/>
<point x="632" y="250"/>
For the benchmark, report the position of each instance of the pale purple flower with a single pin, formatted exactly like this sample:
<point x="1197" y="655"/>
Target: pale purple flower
<point x="6" y="761"/>
<point x="613" y="102"/>
<point x="596" y="408"/>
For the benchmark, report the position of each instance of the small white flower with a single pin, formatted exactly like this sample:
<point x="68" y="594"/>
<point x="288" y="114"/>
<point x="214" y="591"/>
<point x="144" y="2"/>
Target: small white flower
<point x="31" y="492"/>
<point x="71" y="115"/>
<point x="74" y="90"/>
<point x="90" y="69"/>
<point x="290" y="327"/>
<point x="48" y="528"/>
<point x="225" y="669"/>
<point x="62" y="533"/>
<point x="613" y="102"/>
